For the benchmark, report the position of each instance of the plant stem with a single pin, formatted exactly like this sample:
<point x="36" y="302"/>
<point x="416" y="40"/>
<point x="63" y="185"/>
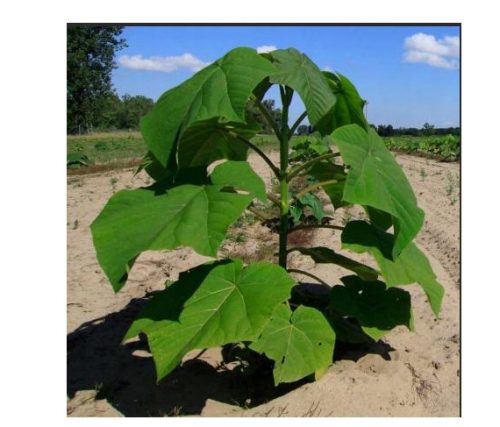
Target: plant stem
<point x="307" y="226"/>
<point x="297" y="123"/>
<point x="273" y="167"/>
<point x="305" y="273"/>
<point x="313" y="187"/>
<point x="274" y="199"/>
<point x="295" y="171"/>
<point x="286" y="98"/>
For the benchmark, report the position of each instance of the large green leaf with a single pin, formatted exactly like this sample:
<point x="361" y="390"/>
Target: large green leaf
<point x="213" y="139"/>
<point x="411" y="266"/>
<point x="219" y="90"/>
<point x="322" y="255"/>
<point x="300" y="343"/>
<point x="377" y="309"/>
<point x="159" y="217"/>
<point x="376" y="180"/>
<point x="209" y="306"/>
<point x="349" y="106"/>
<point x="297" y="71"/>
<point x="239" y="175"/>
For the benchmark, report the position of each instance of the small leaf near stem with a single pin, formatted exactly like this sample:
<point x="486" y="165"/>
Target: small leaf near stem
<point x="295" y="171"/>
<point x="312" y="276"/>
<point x="314" y="187"/>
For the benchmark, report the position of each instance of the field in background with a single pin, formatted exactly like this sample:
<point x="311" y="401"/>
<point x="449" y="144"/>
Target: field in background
<point x="111" y="150"/>
<point x="444" y="147"/>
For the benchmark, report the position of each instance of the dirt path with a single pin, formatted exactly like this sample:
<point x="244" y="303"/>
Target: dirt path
<point x="407" y="374"/>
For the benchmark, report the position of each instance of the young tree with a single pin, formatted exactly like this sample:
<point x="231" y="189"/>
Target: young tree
<point x="90" y="61"/>
<point x="260" y="306"/>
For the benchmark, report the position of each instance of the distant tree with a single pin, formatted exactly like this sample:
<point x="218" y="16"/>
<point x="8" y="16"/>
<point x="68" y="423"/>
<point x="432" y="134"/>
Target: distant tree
<point x="303" y="130"/>
<point x="257" y="115"/>
<point x="133" y="108"/>
<point x="109" y="116"/>
<point x="428" y="129"/>
<point x="384" y="130"/>
<point x="413" y="132"/>
<point x="90" y="61"/>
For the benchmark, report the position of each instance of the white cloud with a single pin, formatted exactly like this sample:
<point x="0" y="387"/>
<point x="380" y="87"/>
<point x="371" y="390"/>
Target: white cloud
<point x="265" y="49"/>
<point x="442" y="53"/>
<point x="327" y="68"/>
<point x="166" y="64"/>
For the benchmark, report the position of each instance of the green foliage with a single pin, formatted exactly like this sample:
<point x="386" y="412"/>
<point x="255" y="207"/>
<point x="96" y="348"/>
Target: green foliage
<point x="77" y="160"/>
<point x="220" y="91"/>
<point x="310" y="201"/>
<point x="211" y="305"/>
<point x="108" y="147"/>
<point x="446" y="147"/>
<point x="254" y="113"/>
<point x="349" y="106"/>
<point x="376" y="180"/>
<point x="90" y="53"/>
<point x="259" y="306"/>
<point x="308" y="148"/>
<point x="185" y="215"/>
<point x="411" y="266"/>
<point x="300" y="342"/>
<point x="298" y="72"/>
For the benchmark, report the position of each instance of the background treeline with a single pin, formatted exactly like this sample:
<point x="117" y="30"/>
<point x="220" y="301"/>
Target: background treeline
<point x="123" y="113"/>
<point x="426" y="130"/>
<point x="388" y="130"/>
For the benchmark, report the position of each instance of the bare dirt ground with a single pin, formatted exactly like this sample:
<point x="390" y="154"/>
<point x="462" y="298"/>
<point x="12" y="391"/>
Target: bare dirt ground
<point x="405" y="374"/>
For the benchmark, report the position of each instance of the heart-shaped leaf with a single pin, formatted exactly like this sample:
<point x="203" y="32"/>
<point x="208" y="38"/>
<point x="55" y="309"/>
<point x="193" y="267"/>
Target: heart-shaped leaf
<point x="211" y="305"/>
<point x="166" y="217"/>
<point x="300" y="343"/>
<point x="375" y="179"/>
<point x="297" y="71"/>
<point x="239" y="175"/>
<point x="210" y="140"/>
<point x="219" y="90"/>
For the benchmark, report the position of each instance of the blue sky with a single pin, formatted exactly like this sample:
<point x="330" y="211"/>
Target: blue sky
<point x="409" y="75"/>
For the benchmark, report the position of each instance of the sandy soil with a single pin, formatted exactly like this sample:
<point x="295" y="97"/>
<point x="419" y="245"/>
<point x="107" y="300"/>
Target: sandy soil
<point x="405" y="374"/>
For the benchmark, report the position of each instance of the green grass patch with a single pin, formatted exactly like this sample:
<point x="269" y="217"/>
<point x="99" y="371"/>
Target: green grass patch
<point x="108" y="147"/>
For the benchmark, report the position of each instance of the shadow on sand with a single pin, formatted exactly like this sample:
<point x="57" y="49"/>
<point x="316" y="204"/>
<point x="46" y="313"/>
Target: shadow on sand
<point x="98" y="361"/>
